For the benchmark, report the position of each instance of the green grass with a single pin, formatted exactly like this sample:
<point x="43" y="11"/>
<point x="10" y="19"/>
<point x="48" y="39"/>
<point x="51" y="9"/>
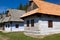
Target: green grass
<point x="52" y="37"/>
<point x="21" y="36"/>
<point x="16" y="36"/>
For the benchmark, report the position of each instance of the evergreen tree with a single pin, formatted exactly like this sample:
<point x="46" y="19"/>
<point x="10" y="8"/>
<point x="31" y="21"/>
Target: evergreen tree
<point x="20" y="7"/>
<point x="23" y="7"/>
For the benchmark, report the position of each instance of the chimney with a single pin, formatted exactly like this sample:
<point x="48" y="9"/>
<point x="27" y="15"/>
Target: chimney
<point x="7" y="13"/>
<point x="30" y="2"/>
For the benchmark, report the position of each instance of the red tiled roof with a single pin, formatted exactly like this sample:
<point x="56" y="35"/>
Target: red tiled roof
<point x="45" y="8"/>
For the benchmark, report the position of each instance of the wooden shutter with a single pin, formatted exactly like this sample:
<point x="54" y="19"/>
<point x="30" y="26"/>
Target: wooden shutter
<point x="32" y="23"/>
<point x="50" y="24"/>
<point x="27" y="23"/>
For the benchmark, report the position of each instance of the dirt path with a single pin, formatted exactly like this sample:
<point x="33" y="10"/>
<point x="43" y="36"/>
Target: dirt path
<point x="3" y="38"/>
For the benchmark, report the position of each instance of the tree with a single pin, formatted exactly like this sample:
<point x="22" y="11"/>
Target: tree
<point x="23" y="7"/>
<point x="20" y="7"/>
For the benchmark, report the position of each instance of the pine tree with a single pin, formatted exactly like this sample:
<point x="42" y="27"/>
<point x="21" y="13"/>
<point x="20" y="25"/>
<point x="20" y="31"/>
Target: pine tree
<point x="23" y="7"/>
<point x="20" y="7"/>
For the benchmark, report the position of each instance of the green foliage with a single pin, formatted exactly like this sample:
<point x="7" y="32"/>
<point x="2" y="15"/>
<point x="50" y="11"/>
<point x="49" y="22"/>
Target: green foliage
<point x="23" y="7"/>
<point x="20" y="7"/>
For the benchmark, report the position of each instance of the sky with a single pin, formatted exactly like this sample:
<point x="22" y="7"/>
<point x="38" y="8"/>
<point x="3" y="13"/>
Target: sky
<point x="5" y="4"/>
<point x="54" y="1"/>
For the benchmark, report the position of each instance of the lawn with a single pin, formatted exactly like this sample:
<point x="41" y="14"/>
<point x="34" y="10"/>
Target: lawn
<point x="21" y="36"/>
<point x="15" y="36"/>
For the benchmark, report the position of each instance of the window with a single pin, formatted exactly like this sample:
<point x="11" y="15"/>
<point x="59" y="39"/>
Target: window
<point x="28" y="23"/>
<point x="8" y="25"/>
<point x="17" y="25"/>
<point x="11" y="23"/>
<point x="32" y="23"/>
<point x="50" y="23"/>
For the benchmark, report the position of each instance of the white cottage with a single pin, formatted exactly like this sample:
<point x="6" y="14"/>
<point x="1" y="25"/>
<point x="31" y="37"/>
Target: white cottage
<point x="42" y="18"/>
<point x="12" y="21"/>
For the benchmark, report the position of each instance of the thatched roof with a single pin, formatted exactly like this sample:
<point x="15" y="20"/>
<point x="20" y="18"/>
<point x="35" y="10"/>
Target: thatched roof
<point x="14" y="15"/>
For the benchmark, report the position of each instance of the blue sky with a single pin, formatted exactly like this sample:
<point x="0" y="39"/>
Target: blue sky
<point x="54" y="1"/>
<point x="5" y="4"/>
